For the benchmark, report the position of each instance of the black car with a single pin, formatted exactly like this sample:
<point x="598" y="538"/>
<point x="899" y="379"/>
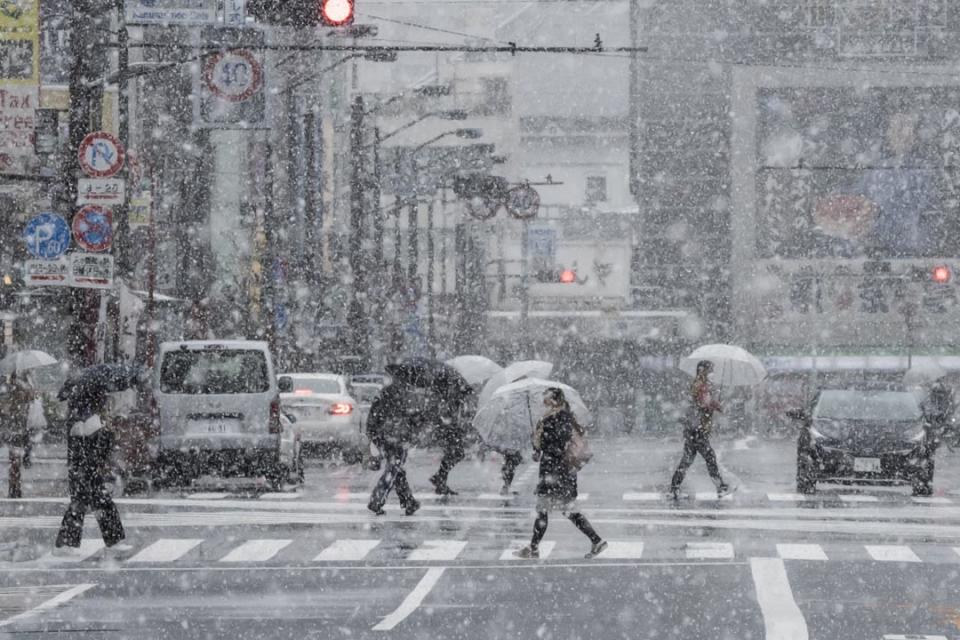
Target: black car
<point x="870" y="434"/>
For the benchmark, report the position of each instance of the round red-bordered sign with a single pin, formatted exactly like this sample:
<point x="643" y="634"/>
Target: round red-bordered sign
<point x="233" y="75"/>
<point x="93" y="228"/>
<point x="101" y="155"/>
<point x="523" y="202"/>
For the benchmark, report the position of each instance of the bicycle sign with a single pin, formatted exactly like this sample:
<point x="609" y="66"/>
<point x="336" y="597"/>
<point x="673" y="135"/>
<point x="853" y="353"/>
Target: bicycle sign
<point x="233" y="75"/>
<point x="101" y="155"/>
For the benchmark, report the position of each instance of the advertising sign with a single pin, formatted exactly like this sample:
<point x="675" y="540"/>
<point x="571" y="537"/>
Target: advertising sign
<point x="19" y="84"/>
<point x="171" y="11"/>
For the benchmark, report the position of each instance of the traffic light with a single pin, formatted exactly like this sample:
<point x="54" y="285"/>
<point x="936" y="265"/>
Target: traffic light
<point x="302" y="13"/>
<point x="568" y="276"/>
<point x="336" y="13"/>
<point x="940" y="274"/>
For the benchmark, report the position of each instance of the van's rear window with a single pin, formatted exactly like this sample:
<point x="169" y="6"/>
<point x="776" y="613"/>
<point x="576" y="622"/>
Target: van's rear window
<point x="214" y="372"/>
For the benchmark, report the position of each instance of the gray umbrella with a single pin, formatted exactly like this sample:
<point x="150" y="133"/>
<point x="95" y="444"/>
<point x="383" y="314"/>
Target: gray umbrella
<point x="21" y="361"/>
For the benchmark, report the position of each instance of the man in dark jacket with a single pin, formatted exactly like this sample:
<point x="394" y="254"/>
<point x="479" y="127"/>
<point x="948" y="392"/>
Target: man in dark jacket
<point x="391" y="426"/>
<point x="450" y="433"/>
<point x="696" y="431"/>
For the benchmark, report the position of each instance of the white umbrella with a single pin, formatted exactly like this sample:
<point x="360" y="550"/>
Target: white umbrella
<point x="513" y="372"/>
<point x="475" y="369"/>
<point x="923" y="372"/>
<point x="24" y="361"/>
<point x="507" y="419"/>
<point x="732" y="366"/>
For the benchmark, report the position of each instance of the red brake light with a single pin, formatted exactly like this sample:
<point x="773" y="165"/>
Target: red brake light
<point x="341" y="409"/>
<point x="568" y="276"/>
<point x="940" y="274"/>
<point x="302" y="392"/>
<point x="274" y="426"/>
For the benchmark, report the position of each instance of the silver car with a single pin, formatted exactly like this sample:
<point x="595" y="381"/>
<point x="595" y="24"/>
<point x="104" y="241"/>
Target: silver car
<point x="327" y="416"/>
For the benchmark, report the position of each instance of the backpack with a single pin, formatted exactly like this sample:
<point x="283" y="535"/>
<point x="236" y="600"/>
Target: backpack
<point x="577" y="453"/>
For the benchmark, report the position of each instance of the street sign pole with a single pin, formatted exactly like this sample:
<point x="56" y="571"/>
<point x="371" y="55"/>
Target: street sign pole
<point x="121" y="223"/>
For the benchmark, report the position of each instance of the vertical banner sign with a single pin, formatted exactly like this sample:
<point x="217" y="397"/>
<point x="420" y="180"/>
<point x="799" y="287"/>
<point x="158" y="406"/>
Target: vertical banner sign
<point x="19" y="84"/>
<point x="234" y="13"/>
<point x="230" y="80"/>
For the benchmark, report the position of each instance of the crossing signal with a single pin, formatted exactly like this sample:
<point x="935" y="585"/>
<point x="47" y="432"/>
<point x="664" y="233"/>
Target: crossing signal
<point x="568" y="276"/>
<point x="336" y="13"/>
<point x="940" y="274"/>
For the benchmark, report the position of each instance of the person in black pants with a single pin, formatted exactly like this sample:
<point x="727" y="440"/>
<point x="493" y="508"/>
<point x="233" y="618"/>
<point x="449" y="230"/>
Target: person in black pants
<point x="88" y="453"/>
<point x="557" y="489"/>
<point x="390" y="426"/>
<point x="696" y="432"/>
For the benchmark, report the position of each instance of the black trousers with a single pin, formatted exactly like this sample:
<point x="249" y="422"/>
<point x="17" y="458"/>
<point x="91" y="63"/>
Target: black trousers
<point x="87" y="457"/>
<point x="695" y="442"/>
<point x="453" y="454"/>
<point x="511" y="460"/>
<point x="393" y="477"/>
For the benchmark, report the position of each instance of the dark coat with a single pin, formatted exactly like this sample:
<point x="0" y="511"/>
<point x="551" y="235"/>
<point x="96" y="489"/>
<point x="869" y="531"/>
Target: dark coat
<point x="557" y="479"/>
<point x="393" y="418"/>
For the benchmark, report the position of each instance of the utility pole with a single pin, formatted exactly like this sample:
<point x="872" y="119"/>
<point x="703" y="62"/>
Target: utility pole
<point x="270" y="251"/>
<point x="413" y="250"/>
<point x="121" y="222"/>
<point x="430" y="273"/>
<point x="356" y="314"/>
<point x="524" y="287"/>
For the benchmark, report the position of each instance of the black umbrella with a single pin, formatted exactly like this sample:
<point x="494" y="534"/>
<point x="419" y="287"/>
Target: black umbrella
<point x="431" y="374"/>
<point x="100" y="379"/>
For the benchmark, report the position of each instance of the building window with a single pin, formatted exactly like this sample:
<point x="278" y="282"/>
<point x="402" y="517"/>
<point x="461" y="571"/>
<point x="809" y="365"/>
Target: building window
<point x="596" y="189"/>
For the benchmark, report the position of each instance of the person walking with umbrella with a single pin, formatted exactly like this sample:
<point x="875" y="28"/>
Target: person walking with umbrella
<point x="391" y="425"/>
<point x="557" y="488"/>
<point x="17" y="396"/>
<point x="698" y="423"/>
<point x="89" y="445"/>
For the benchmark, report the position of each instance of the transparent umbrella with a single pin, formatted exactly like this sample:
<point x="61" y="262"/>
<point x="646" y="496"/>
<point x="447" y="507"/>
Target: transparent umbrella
<point x="21" y="361"/>
<point x="475" y="369"/>
<point x="515" y="371"/>
<point x="732" y="366"/>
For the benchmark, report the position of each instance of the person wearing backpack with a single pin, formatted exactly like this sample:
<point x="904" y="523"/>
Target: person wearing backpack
<point x="557" y="488"/>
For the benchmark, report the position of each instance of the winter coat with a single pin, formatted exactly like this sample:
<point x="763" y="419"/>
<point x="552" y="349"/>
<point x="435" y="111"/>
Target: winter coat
<point x="703" y="404"/>
<point x="557" y="479"/>
<point x="392" y="418"/>
<point x="15" y="400"/>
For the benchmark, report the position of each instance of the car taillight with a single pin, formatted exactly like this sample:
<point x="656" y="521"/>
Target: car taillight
<point x="341" y="409"/>
<point x="275" y="416"/>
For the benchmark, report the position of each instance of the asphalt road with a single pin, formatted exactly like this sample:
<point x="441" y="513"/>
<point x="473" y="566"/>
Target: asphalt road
<point x="228" y="562"/>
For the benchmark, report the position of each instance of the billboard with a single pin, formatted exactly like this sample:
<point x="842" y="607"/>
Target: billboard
<point x="19" y="84"/>
<point x="845" y="201"/>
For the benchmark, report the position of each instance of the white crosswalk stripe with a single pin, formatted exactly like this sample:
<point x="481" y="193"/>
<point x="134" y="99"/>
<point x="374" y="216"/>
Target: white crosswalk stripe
<point x="546" y="548"/>
<point x="634" y="496"/>
<point x="787" y="497"/>
<point x="858" y="497"/>
<point x="432" y="550"/>
<point x="346" y="550"/>
<point x="166" y="550"/>
<point x="801" y="552"/>
<point x="932" y="500"/>
<point x="706" y="496"/>
<point x="892" y="553"/>
<point x="622" y="550"/>
<point x="710" y="550"/>
<point x="256" y="550"/>
<point x="86" y="549"/>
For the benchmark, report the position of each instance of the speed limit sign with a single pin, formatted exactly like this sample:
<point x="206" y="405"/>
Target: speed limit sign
<point x="233" y="75"/>
<point x="523" y="202"/>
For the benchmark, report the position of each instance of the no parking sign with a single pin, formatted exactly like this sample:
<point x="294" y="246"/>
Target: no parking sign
<point x="93" y="228"/>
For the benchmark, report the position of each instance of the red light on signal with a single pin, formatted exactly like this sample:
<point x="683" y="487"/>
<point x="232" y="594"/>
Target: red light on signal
<point x="336" y="13"/>
<point x="940" y="274"/>
<point x="568" y="276"/>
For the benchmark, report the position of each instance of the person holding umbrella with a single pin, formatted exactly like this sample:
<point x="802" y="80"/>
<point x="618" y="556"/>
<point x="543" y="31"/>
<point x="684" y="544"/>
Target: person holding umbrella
<point x="557" y="488"/>
<point x="88" y="452"/>
<point x="696" y="432"/>
<point x="391" y="425"/>
<point x="18" y="395"/>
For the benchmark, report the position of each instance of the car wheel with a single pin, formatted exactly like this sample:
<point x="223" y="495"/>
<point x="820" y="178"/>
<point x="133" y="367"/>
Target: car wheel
<point x="806" y="472"/>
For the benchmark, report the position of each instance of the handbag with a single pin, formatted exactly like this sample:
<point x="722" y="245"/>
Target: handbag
<point x="577" y="453"/>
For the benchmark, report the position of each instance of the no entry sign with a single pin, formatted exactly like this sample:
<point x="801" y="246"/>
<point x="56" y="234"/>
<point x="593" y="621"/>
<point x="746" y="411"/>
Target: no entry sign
<point x="101" y="155"/>
<point x="93" y="228"/>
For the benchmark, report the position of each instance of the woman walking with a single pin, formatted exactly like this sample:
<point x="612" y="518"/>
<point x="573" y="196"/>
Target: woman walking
<point x="16" y="396"/>
<point x="557" y="489"/>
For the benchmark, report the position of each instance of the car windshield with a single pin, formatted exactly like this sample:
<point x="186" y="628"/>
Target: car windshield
<point x="309" y="386"/>
<point x="226" y="371"/>
<point x="888" y="406"/>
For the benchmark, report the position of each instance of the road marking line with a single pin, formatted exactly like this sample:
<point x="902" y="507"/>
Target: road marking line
<point x="55" y="601"/>
<point x="431" y="550"/>
<point x="583" y="496"/>
<point x="711" y="496"/>
<point x="345" y="550"/>
<point x="711" y="550"/>
<point x="412" y="601"/>
<point x="87" y="548"/>
<point x="496" y="496"/>
<point x="546" y="548"/>
<point x="912" y="636"/>
<point x="782" y="618"/>
<point x="932" y="500"/>
<point x="631" y="496"/>
<point x="353" y="495"/>
<point x="622" y="550"/>
<point x="787" y="497"/>
<point x="801" y="552"/>
<point x="256" y="550"/>
<point x="280" y="496"/>
<point x="166" y="550"/>
<point x="857" y="497"/>
<point x="208" y="495"/>
<point x="891" y="553"/>
<point x="956" y="550"/>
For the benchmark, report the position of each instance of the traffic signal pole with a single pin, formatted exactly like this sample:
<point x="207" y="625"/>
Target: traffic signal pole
<point x="356" y="313"/>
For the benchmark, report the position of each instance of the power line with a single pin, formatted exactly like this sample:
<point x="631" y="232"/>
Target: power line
<point x="435" y="29"/>
<point x="511" y="48"/>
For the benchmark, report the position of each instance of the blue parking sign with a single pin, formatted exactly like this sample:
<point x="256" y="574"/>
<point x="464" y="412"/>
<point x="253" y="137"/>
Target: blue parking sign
<point x="47" y="236"/>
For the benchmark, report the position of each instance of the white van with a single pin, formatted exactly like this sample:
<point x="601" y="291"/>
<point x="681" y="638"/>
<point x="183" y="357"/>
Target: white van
<point x="217" y="404"/>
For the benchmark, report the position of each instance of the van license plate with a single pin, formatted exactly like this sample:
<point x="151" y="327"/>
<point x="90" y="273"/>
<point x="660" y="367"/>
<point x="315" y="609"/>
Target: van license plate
<point x="869" y="465"/>
<point x="213" y="426"/>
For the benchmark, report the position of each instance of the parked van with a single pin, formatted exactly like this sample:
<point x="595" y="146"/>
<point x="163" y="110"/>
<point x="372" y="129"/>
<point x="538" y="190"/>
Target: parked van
<point x="218" y="409"/>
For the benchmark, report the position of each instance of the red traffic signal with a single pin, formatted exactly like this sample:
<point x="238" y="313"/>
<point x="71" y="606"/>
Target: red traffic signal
<point x="940" y="274"/>
<point x="568" y="276"/>
<point x="336" y="13"/>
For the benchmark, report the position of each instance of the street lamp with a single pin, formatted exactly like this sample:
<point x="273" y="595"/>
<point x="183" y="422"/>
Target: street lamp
<point x="454" y="114"/>
<point x="468" y="134"/>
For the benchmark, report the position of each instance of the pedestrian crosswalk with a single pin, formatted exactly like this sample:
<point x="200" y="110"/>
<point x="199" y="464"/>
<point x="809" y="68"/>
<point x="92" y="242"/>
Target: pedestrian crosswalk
<point x="313" y="550"/>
